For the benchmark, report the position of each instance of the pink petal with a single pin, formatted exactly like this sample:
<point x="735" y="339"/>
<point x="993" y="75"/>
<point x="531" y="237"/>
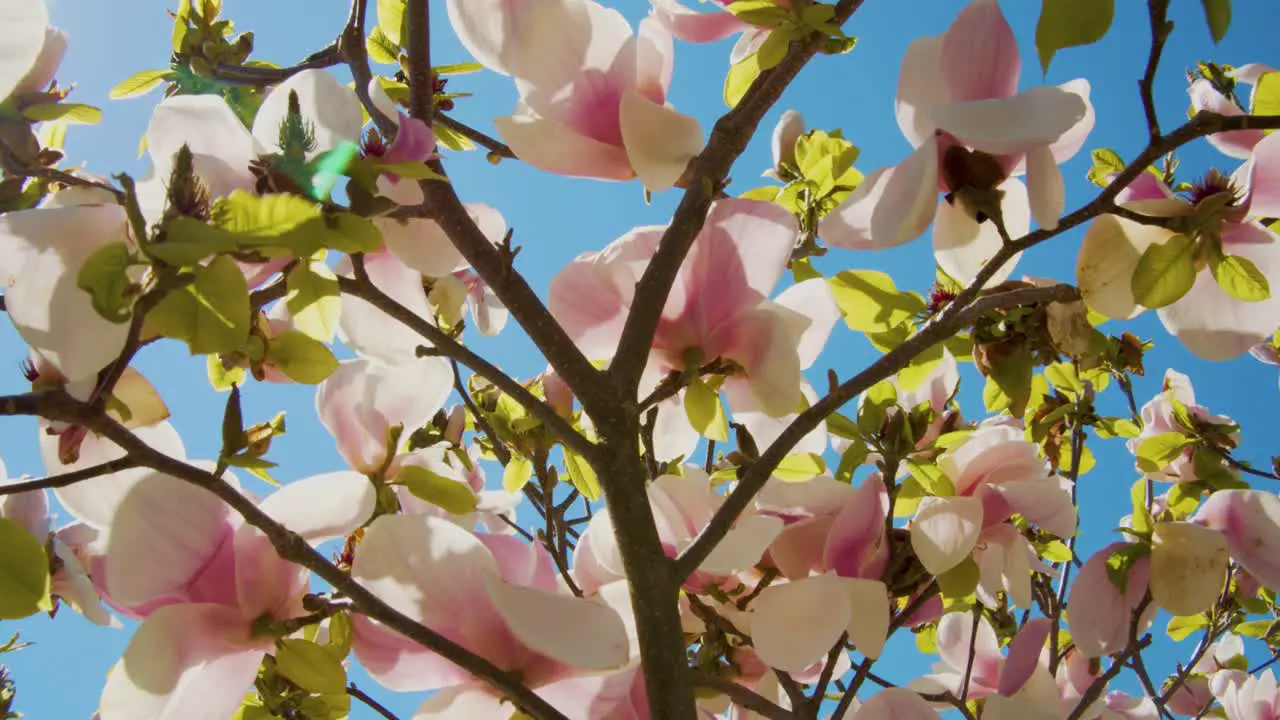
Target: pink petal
<point x="1250" y="520"/>
<point x="655" y="60"/>
<point x="744" y="248"/>
<point x="368" y="330"/>
<point x="963" y="246"/>
<point x="1236" y="144"/>
<point x="1042" y="115"/>
<point x="597" y="560"/>
<point x="1098" y="612"/>
<point x="163" y="535"/>
<point x="1024" y="655"/>
<point x="763" y="343"/>
<point x="856" y="545"/>
<point x="743" y="545"/>
<point x="557" y="148"/>
<point x="1066" y="147"/>
<point x="1043" y="502"/>
<point x="812" y="298"/>
<point x="979" y="56"/>
<point x="572" y="630"/>
<point x="1212" y="324"/>
<point x="763" y="427"/>
<point x="186" y="662"/>
<point x="955" y="638"/>
<point x="895" y="704"/>
<point x="95" y="502"/>
<point x="470" y="700"/>
<point x="696" y="27"/>
<point x="892" y="206"/>
<point x="1263" y="178"/>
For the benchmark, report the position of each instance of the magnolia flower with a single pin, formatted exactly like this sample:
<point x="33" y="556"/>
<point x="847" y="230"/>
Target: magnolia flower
<point x="207" y="585"/>
<point x="442" y="461"/>
<point x="1255" y="698"/>
<point x="937" y="388"/>
<point x="995" y="473"/>
<point x="1249" y="520"/>
<point x="959" y="107"/>
<point x="718" y="308"/>
<point x="414" y="142"/>
<point x="1100" y="613"/>
<point x="1225" y="213"/>
<point x="364" y="400"/>
<point x="1012" y="685"/>
<point x="1194" y="693"/>
<point x="829" y="525"/>
<point x="893" y="704"/>
<point x="504" y="601"/>
<point x="592" y="92"/>
<point x="1204" y="96"/>
<point x="32" y="51"/>
<point x="1159" y="417"/>
<point x="783" y="142"/>
<point x="1266" y="352"/>
<point x="682" y="506"/>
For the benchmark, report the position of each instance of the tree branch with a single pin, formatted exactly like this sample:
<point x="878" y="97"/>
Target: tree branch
<point x="728" y="140"/>
<point x="356" y="56"/>
<point x="266" y="76"/>
<point x="743" y="697"/>
<point x="1158" y="11"/>
<point x="69" y="478"/>
<point x="374" y="705"/>
<point x="937" y="330"/>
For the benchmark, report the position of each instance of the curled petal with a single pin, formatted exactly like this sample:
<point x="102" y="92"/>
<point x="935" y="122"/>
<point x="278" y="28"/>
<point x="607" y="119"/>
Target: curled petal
<point x="558" y="148"/>
<point x="1237" y="143"/>
<point x="785" y="134"/>
<point x="892" y="206"/>
<point x="1039" y="116"/>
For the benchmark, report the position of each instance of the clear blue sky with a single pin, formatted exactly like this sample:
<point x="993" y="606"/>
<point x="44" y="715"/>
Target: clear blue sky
<point x="555" y="219"/>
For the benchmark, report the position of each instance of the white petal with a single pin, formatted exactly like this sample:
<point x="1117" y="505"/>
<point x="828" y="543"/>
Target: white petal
<point x="743" y="545"/>
<point x="1109" y="255"/>
<point x="921" y="86"/>
<point x="963" y="246"/>
<point x="1038" y="116"/>
<point x="572" y="630"/>
<point x="422" y="245"/>
<point x="1044" y="187"/>
<point x="945" y="530"/>
<point x="892" y="206"/>
<point x="659" y="141"/>
<point x="1188" y="567"/>
<point x="794" y="625"/>
<point x="24" y="23"/>
<point x="869" y="615"/>
<point x="323" y="506"/>
<point x="330" y="107"/>
<point x="813" y="299"/>
<point x="95" y="502"/>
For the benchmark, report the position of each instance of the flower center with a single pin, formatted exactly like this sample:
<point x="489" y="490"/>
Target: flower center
<point x="1214" y="184"/>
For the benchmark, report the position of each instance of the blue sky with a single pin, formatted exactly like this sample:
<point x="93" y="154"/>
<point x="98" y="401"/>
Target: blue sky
<point x="556" y="218"/>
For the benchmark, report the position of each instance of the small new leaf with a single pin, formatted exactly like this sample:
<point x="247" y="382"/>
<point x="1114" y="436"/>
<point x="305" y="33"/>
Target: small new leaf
<point x="301" y="358"/>
<point x="451" y="495"/>
<point x="1240" y="278"/>
<point x="105" y="276"/>
<point x="140" y="83"/>
<point x="706" y="414"/>
<point x="1165" y="272"/>
<point x="1217" y="13"/>
<point x="310" y="666"/>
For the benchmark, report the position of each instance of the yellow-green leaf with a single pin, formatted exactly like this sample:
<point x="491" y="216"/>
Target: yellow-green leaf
<point x="301" y="358"/>
<point x="801" y="467"/>
<point x="582" y="475"/>
<point x="65" y="112"/>
<point x="1217" y="13"/>
<point x="517" y="473"/>
<point x="1165" y="272"/>
<point x="382" y="49"/>
<point x="313" y="300"/>
<point x="1240" y="278"/>
<point x="274" y="214"/>
<point x="24" y="572"/>
<point x="105" y="276"/>
<point x="1156" y="452"/>
<point x="1071" y="23"/>
<point x="443" y="492"/>
<point x="310" y="666"/>
<point x="211" y="314"/>
<point x="222" y="378"/>
<point x="391" y="20"/>
<point x="871" y="303"/>
<point x="140" y="83"/>
<point x="706" y="414"/>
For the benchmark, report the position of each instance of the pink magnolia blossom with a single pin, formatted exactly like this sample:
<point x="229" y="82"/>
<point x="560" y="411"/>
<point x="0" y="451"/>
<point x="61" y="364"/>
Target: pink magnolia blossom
<point x="1255" y="698"/>
<point x="995" y="473"/>
<point x="794" y="624"/>
<point x="718" y="308"/>
<point x="1099" y="613"/>
<point x="414" y="142"/>
<point x="957" y="94"/>
<point x="829" y="525"/>
<point x="1266" y="352"/>
<point x="206" y="584"/>
<point x="1204" y="96"/>
<point x="1011" y="684"/>
<point x="364" y="399"/>
<point x="1206" y="320"/>
<point x="703" y="27"/>
<point x="592" y="92"/>
<point x="894" y="704"/>
<point x="504" y="601"/>
<point x="1158" y="417"/>
<point x="33" y="50"/>
<point x="1194" y="693"/>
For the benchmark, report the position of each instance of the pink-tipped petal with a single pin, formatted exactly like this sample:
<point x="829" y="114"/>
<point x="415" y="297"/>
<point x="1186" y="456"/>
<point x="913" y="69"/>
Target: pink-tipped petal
<point x="1098" y="612"/>
<point x="1024" y="654"/>
<point x="979" y="57"/>
<point x="576" y="631"/>
<point x="659" y="141"/>
<point x="558" y="148"/>
<point x="921" y="87"/>
<point x="1250" y="521"/>
<point x="696" y="27"/>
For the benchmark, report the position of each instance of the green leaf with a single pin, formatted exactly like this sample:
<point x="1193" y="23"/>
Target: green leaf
<point x="270" y="215"/>
<point x="1240" y="278"/>
<point x="763" y="13"/>
<point x="1071" y="23"/>
<point x="451" y="139"/>
<point x="349" y="233"/>
<point x="140" y="83"/>
<point x="931" y="478"/>
<point x="310" y="666"/>
<point x="1141" y="522"/>
<point x="24" y="573"/>
<point x="256" y="466"/>
<point x="517" y="473"/>
<point x="410" y="170"/>
<point x="871" y="303"/>
<point x="745" y="71"/>
<point x="1009" y="384"/>
<point x="1105" y="163"/>
<point x="826" y="161"/>
<point x="1121" y="562"/>
<point x="1255" y="628"/>
<point x="302" y="358"/>
<point x="1056" y="551"/>
<point x="313" y="300"/>
<point x="1266" y="94"/>
<point x="1180" y="628"/>
<point x="105" y="276"/>
<point x="66" y="112"/>
<point x="391" y="20"/>
<point x="187" y="241"/>
<point x="766" y="193"/>
<point x="801" y="467"/>
<point x="1217" y="13"/>
<point x="1156" y="452"/>
<point x="874" y="403"/>
<point x="1165" y="272"/>
<point x="211" y="314"/>
<point x="960" y="581"/>
<point x="706" y="414"/>
<point x="341" y="635"/>
<point x="581" y="475"/>
<point x="222" y="378"/>
<point x="453" y="496"/>
<point x="462" y="68"/>
<point x="851" y="460"/>
<point x="382" y="49"/>
<point x="1117" y="427"/>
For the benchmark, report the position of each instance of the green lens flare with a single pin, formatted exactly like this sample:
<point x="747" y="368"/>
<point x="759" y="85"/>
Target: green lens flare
<point x="330" y="167"/>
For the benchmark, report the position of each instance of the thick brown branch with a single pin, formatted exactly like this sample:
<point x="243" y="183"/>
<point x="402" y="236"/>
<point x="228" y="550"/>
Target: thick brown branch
<point x="1158" y="11"/>
<point x="422" y="92"/>
<point x="728" y="140"/>
<point x="356" y="56"/>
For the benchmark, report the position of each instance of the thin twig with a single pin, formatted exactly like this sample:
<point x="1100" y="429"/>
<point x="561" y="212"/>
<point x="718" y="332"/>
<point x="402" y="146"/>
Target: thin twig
<point x="499" y="448"/>
<point x="266" y="76"/>
<point x="374" y="705"/>
<point x="742" y="696"/>
<point x="493" y="145"/>
<point x="69" y="478"/>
